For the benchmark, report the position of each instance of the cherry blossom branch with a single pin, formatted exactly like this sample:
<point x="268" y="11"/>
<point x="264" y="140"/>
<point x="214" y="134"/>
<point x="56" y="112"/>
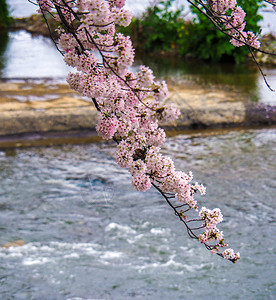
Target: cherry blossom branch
<point x="105" y="58"/>
<point x="130" y="106"/>
<point x="50" y="32"/>
<point x="231" y="25"/>
<point x="105" y="62"/>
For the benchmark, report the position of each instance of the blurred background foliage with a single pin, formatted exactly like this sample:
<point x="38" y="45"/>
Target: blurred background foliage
<point x="164" y="30"/>
<point x="5" y="18"/>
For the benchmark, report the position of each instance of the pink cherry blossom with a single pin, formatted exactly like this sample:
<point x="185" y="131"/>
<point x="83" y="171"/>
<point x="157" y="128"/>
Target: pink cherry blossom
<point x="131" y="105"/>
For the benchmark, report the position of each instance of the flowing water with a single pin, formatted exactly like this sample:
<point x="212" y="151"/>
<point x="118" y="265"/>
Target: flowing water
<point x="91" y="236"/>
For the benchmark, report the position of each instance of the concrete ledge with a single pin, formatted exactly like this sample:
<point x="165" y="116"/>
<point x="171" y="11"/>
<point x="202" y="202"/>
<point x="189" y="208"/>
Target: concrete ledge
<point x="48" y="138"/>
<point x="56" y="119"/>
<point x="28" y="118"/>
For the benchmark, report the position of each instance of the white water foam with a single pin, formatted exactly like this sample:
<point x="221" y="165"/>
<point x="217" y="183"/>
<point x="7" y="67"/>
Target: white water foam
<point x="121" y="228"/>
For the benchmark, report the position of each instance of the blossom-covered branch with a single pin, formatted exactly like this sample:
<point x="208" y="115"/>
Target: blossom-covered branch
<point x="131" y="105"/>
<point x="229" y="18"/>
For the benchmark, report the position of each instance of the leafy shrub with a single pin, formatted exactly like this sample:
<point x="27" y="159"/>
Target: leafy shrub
<point x="4" y="14"/>
<point x="157" y="29"/>
<point x="161" y="29"/>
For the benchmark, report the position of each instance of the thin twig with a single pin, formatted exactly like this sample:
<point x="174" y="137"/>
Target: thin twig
<point x="51" y="36"/>
<point x="260" y="69"/>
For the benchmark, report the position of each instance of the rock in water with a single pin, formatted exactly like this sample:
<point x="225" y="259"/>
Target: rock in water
<point x="17" y="243"/>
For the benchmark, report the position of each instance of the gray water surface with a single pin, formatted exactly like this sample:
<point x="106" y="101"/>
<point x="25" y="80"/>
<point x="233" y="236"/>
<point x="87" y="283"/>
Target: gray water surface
<point x="28" y="56"/>
<point x="91" y="236"/>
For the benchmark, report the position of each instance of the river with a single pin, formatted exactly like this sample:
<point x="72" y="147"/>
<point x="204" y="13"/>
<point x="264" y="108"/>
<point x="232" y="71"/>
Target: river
<point x="91" y="236"/>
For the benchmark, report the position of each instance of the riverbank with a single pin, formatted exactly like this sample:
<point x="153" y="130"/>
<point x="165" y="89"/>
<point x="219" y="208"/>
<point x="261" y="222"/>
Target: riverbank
<point x="43" y="112"/>
<point x="46" y="113"/>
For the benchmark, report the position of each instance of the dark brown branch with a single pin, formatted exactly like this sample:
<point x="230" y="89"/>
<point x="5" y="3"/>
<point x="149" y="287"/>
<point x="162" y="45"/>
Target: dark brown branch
<point x="260" y="69"/>
<point x="33" y="3"/>
<point x="96" y="104"/>
<point x="191" y="234"/>
<point x="51" y="36"/>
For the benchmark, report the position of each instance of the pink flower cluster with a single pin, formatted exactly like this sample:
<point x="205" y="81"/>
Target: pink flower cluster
<point x="45" y="5"/>
<point x="231" y="255"/>
<point x="130" y="105"/>
<point x="212" y="233"/>
<point x="221" y="6"/>
<point x="233" y="18"/>
<point x="211" y="217"/>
